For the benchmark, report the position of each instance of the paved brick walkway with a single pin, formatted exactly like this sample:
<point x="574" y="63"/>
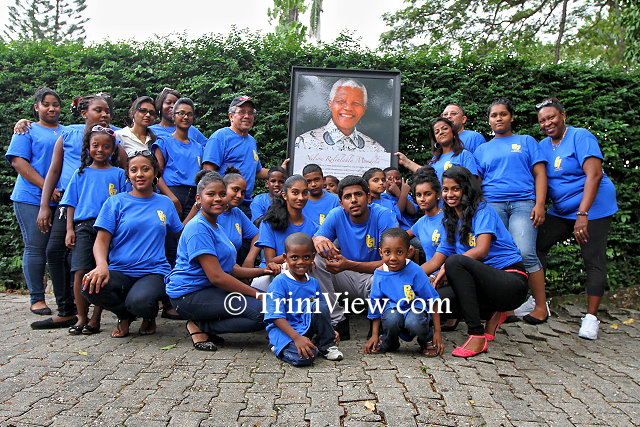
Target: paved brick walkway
<point x="531" y="376"/>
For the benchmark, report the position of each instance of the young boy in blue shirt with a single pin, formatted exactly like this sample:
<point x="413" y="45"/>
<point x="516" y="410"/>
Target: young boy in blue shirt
<point x="399" y="300"/>
<point x="295" y="310"/>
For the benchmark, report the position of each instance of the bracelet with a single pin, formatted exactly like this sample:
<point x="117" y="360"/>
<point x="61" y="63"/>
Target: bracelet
<point x="582" y="213"/>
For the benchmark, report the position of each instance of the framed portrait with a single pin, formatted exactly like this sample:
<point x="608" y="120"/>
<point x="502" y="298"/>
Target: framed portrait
<point x="345" y="121"/>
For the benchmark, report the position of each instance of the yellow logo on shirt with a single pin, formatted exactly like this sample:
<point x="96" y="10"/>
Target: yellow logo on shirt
<point x="472" y="240"/>
<point x="199" y="161"/>
<point x="408" y="293"/>
<point x="322" y="218"/>
<point x="238" y="228"/>
<point x="435" y="238"/>
<point x="162" y="216"/>
<point x="255" y="156"/>
<point x="557" y="163"/>
<point x="371" y="241"/>
<point x="112" y="190"/>
<point x="447" y="165"/>
<point x="515" y="148"/>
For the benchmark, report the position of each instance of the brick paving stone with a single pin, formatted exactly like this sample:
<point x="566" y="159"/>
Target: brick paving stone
<point x="290" y="414"/>
<point x="358" y="412"/>
<point x="354" y="391"/>
<point x="259" y="405"/>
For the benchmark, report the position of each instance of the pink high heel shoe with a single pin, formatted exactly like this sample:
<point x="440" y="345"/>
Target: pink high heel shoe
<point x="503" y="317"/>
<point x="463" y="352"/>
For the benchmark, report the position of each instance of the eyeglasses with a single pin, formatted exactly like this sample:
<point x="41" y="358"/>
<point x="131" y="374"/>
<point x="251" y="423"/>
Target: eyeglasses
<point x="98" y="128"/>
<point x="544" y="104"/>
<point x="245" y="113"/>
<point x="143" y="153"/>
<point x="182" y="114"/>
<point x="144" y="112"/>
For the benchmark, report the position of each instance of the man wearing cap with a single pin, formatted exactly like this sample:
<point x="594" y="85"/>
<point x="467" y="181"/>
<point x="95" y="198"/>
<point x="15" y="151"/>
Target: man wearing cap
<point x="348" y="104"/>
<point x="233" y="146"/>
<point x="456" y="115"/>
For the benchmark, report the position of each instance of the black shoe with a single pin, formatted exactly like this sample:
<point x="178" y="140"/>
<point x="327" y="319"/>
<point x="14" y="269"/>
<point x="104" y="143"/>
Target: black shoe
<point x="46" y="311"/>
<point x="448" y="328"/>
<point x="343" y="329"/>
<point x="166" y="315"/>
<point x="50" y="324"/>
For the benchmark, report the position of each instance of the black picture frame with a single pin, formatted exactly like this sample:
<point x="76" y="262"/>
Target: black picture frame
<point x="310" y="117"/>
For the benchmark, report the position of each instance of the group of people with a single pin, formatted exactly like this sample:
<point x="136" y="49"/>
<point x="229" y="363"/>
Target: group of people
<point x="158" y="214"/>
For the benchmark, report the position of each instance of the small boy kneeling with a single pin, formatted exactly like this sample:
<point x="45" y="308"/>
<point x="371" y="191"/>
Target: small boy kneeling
<point x="396" y="285"/>
<point x="296" y="311"/>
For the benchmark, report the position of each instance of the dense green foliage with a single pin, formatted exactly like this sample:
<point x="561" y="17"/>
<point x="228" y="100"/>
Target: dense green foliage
<point x="212" y="70"/>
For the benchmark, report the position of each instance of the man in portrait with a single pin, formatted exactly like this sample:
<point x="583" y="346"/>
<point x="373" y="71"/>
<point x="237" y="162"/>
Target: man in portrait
<point x="347" y="104"/>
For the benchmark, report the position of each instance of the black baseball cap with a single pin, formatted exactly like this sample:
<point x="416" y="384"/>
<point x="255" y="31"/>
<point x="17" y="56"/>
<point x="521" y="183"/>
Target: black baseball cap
<point x="239" y="100"/>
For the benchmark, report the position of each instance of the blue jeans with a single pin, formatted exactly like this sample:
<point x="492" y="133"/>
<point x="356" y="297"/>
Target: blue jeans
<point x="516" y="216"/>
<point x="206" y="307"/>
<point x="45" y="250"/>
<point x="395" y="325"/>
<point x="129" y="297"/>
<point x="323" y="332"/>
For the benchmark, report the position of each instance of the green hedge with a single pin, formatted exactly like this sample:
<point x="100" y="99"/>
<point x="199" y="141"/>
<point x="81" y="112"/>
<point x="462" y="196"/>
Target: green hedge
<point x="213" y="69"/>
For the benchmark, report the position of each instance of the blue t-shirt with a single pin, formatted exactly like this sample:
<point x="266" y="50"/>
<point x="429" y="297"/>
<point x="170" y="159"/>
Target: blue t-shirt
<point x="503" y="252"/>
<point x="270" y="238"/>
<point x="506" y="167"/>
<point x="226" y="148"/>
<point x="138" y="227"/>
<point x="88" y="191"/>
<point x="401" y="290"/>
<point x="193" y="133"/>
<point x="405" y="219"/>
<point x="317" y="210"/>
<point x="430" y="232"/>
<point x="283" y="292"/>
<point x="199" y="237"/>
<point x="259" y="206"/>
<point x="237" y="226"/>
<point x="471" y="139"/>
<point x="36" y="147"/>
<point x="465" y="158"/>
<point x="358" y="242"/>
<point x="566" y="177"/>
<point x="181" y="161"/>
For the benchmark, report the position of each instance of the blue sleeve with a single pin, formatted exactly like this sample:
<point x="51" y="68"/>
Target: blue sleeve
<point x="469" y="162"/>
<point x="275" y="292"/>
<point x="257" y="208"/>
<point x="267" y="238"/>
<point x="586" y="146"/>
<point x="70" y="196"/>
<point x="386" y="220"/>
<point x="328" y="227"/>
<point x="162" y="145"/>
<point x="199" y="243"/>
<point x="249" y="230"/>
<point x="213" y="151"/>
<point x="535" y="153"/>
<point x="444" y="247"/>
<point x="20" y="146"/>
<point x="122" y="182"/>
<point x="173" y="219"/>
<point x="478" y="156"/>
<point x="485" y="221"/>
<point x="422" y="284"/>
<point x="375" y="295"/>
<point x="106" y="219"/>
<point x="198" y="136"/>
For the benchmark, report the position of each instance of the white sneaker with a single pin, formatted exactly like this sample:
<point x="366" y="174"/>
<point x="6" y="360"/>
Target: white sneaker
<point x="589" y="328"/>
<point x="332" y="353"/>
<point x="527" y="307"/>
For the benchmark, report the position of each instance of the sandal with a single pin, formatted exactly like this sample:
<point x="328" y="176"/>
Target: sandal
<point x="206" y="345"/>
<point x="429" y="350"/>
<point x="90" y="330"/>
<point x="444" y="327"/>
<point x="117" y="332"/>
<point x="464" y="352"/>
<point x="501" y="319"/>
<point x="76" y="330"/>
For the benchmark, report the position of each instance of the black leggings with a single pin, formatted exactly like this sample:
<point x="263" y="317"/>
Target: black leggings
<point x="482" y="290"/>
<point x="594" y="252"/>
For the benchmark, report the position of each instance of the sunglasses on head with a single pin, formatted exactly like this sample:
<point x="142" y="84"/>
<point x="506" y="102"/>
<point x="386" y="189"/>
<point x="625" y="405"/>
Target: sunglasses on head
<point x="143" y="153"/>
<point x="98" y="128"/>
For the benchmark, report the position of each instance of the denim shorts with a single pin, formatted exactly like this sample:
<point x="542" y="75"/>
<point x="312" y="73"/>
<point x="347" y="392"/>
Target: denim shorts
<point x="82" y="254"/>
<point x="516" y="216"/>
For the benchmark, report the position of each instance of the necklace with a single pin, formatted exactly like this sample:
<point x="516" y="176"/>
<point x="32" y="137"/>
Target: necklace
<point x="554" y="145"/>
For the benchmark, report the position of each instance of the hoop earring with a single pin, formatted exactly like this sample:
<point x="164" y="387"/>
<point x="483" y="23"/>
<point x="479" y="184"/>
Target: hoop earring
<point x="155" y="181"/>
<point x="437" y="145"/>
<point x="198" y="206"/>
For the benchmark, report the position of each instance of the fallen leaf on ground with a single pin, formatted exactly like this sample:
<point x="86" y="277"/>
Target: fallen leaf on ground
<point x="629" y="321"/>
<point x="614" y="326"/>
<point x="472" y="402"/>
<point x="83" y="353"/>
<point x="370" y="405"/>
<point x="168" y="347"/>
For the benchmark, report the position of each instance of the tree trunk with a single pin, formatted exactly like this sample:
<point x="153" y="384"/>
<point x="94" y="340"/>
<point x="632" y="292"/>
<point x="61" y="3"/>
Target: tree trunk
<point x="563" y="21"/>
